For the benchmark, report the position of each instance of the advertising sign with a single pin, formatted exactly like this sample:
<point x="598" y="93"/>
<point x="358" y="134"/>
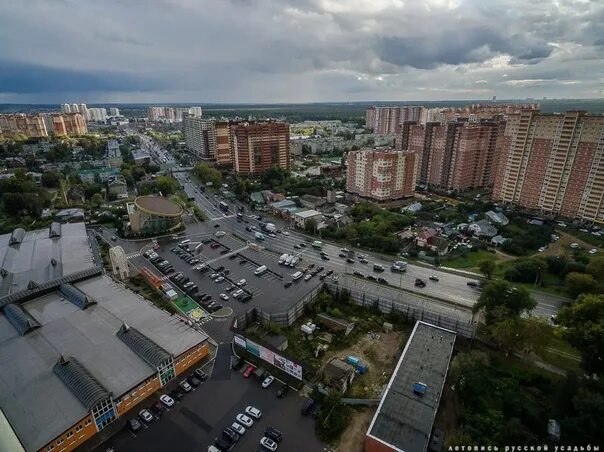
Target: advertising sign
<point x="253" y="348"/>
<point x="287" y="366"/>
<point x="240" y="341"/>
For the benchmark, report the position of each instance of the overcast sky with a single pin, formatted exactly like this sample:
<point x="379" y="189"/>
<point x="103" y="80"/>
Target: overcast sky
<point x="299" y="50"/>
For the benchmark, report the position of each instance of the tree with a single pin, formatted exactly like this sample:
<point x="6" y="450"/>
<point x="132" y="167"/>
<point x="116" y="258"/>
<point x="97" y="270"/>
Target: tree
<point x="333" y="418"/>
<point x="51" y="179"/>
<point x="595" y="268"/>
<point x="206" y="173"/>
<point x="525" y="270"/>
<point x="501" y="300"/>
<point x="487" y="267"/>
<point x="167" y="185"/>
<point x="584" y="322"/>
<point x="513" y="334"/>
<point x="579" y="283"/>
<point x="310" y="225"/>
<point x="97" y="199"/>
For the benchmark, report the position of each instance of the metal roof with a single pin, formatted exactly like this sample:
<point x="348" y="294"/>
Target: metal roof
<point x="404" y="418"/>
<point x="149" y="351"/>
<point x="80" y="382"/>
<point x="21" y="320"/>
<point x="75" y="295"/>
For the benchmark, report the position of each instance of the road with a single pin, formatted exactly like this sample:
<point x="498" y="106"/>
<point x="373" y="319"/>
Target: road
<point x="451" y="287"/>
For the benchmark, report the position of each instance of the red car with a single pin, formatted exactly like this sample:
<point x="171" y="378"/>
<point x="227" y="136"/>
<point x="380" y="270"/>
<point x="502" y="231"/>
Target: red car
<point x="248" y="371"/>
<point x="156" y="247"/>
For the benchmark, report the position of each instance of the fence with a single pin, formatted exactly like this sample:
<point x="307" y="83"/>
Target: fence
<point x="465" y="327"/>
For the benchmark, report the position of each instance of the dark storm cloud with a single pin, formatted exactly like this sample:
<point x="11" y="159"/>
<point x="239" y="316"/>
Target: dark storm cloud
<point x="299" y="50"/>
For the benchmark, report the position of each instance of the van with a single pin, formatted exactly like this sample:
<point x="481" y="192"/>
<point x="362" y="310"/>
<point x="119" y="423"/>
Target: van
<point x="260" y="270"/>
<point x="296" y="276"/>
<point x="184" y="242"/>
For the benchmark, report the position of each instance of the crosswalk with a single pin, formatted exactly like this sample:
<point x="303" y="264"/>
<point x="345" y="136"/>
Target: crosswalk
<point x="133" y="255"/>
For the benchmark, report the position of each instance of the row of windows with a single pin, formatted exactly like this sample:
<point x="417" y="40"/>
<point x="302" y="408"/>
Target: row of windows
<point x="69" y="434"/>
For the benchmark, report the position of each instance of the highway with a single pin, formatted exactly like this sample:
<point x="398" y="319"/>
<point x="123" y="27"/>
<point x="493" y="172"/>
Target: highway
<point x="450" y="287"/>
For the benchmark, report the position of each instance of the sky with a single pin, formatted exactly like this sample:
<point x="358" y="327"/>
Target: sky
<point x="269" y="51"/>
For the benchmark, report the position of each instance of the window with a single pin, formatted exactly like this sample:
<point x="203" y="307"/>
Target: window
<point x="78" y="428"/>
<point x="70" y="434"/>
<point x="51" y="447"/>
<point x="88" y="422"/>
<point x="103" y="413"/>
<point x="60" y="441"/>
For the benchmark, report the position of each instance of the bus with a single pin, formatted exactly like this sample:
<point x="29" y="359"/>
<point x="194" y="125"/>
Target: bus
<point x="223" y="206"/>
<point x="260" y="270"/>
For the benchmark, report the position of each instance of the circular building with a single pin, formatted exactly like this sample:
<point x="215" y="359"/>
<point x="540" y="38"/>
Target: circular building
<point x="152" y="215"/>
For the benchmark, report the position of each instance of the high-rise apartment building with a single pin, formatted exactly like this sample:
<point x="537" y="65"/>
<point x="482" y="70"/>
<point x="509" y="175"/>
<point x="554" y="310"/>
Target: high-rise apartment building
<point x="385" y="120"/>
<point x="72" y="124"/>
<point x="200" y="136"/>
<point x="66" y="108"/>
<point x="224" y="155"/>
<point x="171" y="114"/>
<point x="97" y="114"/>
<point x="114" y="111"/>
<point x="553" y="163"/>
<point x="195" y="111"/>
<point x="382" y="175"/>
<point x="21" y="124"/>
<point x="458" y="155"/>
<point x="258" y="146"/>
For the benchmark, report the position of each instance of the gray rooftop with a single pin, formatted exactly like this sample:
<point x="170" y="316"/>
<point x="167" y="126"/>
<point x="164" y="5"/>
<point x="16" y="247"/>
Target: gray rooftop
<point x="38" y="405"/>
<point x="36" y="256"/>
<point x="403" y="419"/>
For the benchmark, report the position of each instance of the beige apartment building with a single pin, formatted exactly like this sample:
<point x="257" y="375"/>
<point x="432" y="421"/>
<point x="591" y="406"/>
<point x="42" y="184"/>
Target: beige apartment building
<point x="553" y="163"/>
<point x="382" y="175"/>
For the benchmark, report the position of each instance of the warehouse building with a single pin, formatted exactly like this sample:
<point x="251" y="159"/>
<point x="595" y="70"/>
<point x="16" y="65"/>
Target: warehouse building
<point x="79" y="349"/>
<point x="405" y="416"/>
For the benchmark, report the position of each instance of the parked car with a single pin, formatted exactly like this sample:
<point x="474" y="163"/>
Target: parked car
<point x="224" y="296"/>
<point x="134" y="425"/>
<point x="193" y="381"/>
<point x="166" y="400"/>
<point x="287" y="284"/>
<point x="248" y="371"/>
<point x="177" y="395"/>
<point x="238" y="428"/>
<point x="146" y="415"/>
<point x="201" y="375"/>
<point x="282" y="391"/>
<point x="253" y="412"/>
<point x="223" y="444"/>
<point x="268" y="443"/>
<point x="230" y="434"/>
<point x="185" y="386"/>
<point x="158" y="408"/>
<point x="244" y="420"/>
<point x="267" y="381"/>
<point x="433" y="278"/>
<point x="273" y="434"/>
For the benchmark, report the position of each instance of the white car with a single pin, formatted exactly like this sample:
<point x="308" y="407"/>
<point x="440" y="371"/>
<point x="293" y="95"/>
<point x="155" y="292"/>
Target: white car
<point x="219" y="279"/>
<point x="254" y="412"/>
<point x="285" y="233"/>
<point x="241" y="282"/>
<point x="593" y="251"/>
<point x="185" y="386"/>
<point x="238" y="428"/>
<point x="166" y="400"/>
<point x="145" y="415"/>
<point x="220" y="233"/>
<point x="267" y="381"/>
<point x="245" y="420"/>
<point x="214" y="275"/>
<point x="542" y="249"/>
<point x="268" y="443"/>
<point x="272" y="234"/>
<point x="224" y="296"/>
<point x="307" y="277"/>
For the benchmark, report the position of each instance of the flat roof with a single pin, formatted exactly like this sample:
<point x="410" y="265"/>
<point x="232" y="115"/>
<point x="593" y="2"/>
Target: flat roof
<point x="40" y="258"/>
<point x="35" y="401"/>
<point x="307" y="213"/>
<point x="158" y="205"/>
<point x="404" y="420"/>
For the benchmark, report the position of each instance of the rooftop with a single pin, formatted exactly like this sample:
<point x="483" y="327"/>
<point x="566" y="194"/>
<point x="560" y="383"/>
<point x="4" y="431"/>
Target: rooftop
<point x="35" y="399"/>
<point x="42" y="255"/>
<point x="307" y="213"/>
<point x="404" y="419"/>
<point x="158" y="205"/>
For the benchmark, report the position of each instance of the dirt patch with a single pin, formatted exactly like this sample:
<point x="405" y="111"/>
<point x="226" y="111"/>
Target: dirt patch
<point x="353" y="438"/>
<point x="562" y="246"/>
<point x="380" y="351"/>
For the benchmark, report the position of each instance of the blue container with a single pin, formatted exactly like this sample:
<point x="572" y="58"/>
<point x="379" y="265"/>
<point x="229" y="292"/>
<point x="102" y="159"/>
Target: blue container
<point x="352" y="360"/>
<point x="362" y="367"/>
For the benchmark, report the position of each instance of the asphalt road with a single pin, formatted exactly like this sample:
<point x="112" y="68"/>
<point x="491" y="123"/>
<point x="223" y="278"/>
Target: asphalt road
<point x="450" y="287"/>
<point x="193" y="423"/>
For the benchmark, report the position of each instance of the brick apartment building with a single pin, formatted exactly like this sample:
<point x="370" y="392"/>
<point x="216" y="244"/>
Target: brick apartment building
<point x="223" y="143"/>
<point x="553" y="163"/>
<point x="385" y="120"/>
<point x="458" y="155"/>
<point x="382" y="175"/>
<point x="42" y="125"/>
<point x="258" y="146"/>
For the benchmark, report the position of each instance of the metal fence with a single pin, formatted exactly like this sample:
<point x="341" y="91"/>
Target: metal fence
<point x="465" y="327"/>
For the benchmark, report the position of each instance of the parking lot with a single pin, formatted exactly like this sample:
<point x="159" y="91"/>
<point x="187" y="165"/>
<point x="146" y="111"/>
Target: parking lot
<point x="234" y="261"/>
<point x="194" y="422"/>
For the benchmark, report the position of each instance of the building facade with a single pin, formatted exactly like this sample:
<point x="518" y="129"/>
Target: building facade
<point x="382" y="175"/>
<point x="553" y="163"/>
<point x="385" y="120"/>
<point x="258" y="146"/>
<point x="222" y="130"/>
<point x="153" y="215"/>
<point x="200" y="136"/>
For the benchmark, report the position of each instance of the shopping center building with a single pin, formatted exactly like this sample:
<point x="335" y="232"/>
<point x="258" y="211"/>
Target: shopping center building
<point x="152" y="215"/>
<point x="78" y="349"/>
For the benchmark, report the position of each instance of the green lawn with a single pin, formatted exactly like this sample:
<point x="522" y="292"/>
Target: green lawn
<point x="470" y="260"/>
<point x="185" y="304"/>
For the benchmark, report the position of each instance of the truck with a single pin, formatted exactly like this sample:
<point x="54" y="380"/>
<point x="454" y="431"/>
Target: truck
<point x="288" y="260"/>
<point x="260" y="270"/>
<point x="317" y="244"/>
<point x="259" y="236"/>
<point x="282" y="258"/>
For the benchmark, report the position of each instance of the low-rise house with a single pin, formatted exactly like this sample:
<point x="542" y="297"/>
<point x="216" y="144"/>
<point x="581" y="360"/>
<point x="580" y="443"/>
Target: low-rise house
<point x="312" y="202"/>
<point x="412" y="208"/>
<point x="497" y="218"/>
<point x="483" y="229"/>
<point x="302" y="217"/>
<point x="118" y="187"/>
<point x="141" y="157"/>
<point x="431" y="239"/>
<point x="70" y="215"/>
<point x="498" y="240"/>
<point x="423" y="237"/>
<point x="338" y="375"/>
<point x="335" y="324"/>
<point x="256" y="198"/>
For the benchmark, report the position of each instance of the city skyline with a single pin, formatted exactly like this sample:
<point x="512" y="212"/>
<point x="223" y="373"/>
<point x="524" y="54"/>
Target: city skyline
<point x="300" y="51"/>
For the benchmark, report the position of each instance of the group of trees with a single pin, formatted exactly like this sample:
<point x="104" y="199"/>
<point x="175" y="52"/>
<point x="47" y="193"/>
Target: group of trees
<point x="165" y="184"/>
<point x="372" y="227"/>
<point x="207" y="173"/>
<point x="21" y="197"/>
<point x="282" y="181"/>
